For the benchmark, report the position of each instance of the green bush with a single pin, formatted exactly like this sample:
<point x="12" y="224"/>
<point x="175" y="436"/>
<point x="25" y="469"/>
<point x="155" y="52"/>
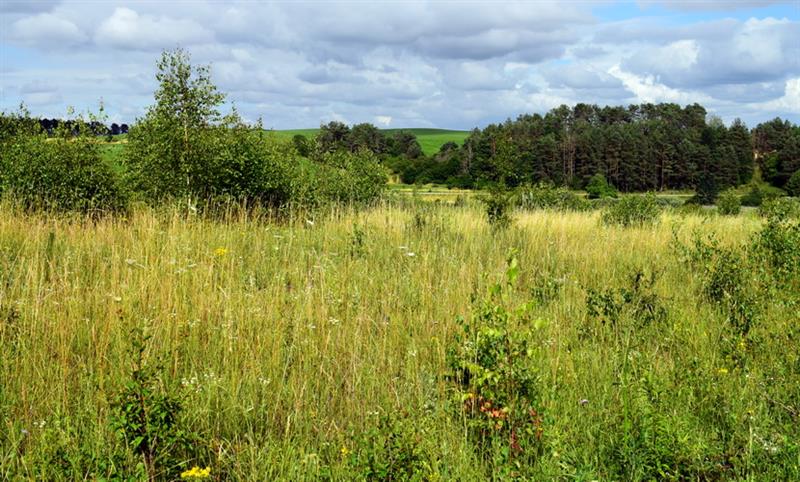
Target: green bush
<point x="793" y="185"/>
<point x="547" y="196"/>
<point x="395" y="449"/>
<point x="338" y="177"/>
<point x="754" y="196"/>
<point x="498" y="207"/>
<point x="639" y="303"/>
<point x="598" y="188"/>
<point x="706" y="190"/>
<point x="496" y="392"/>
<point x="147" y="416"/>
<point x="63" y="173"/>
<point x="728" y="203"/>
<point x="781" y="208"/>
<point x="184" y="148"/>
<point x="778" y="244"/>
<point x="633" y="210"/>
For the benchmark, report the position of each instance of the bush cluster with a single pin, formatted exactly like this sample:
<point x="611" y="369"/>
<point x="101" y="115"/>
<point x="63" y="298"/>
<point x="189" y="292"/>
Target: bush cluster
<point x="633" y="211"/>
<point x="183" y="148"/>
<point x="599" y="188"/>
<point x="728" y="203"/>
<point x="64" y="172"/>
<point x="547" y="196"/>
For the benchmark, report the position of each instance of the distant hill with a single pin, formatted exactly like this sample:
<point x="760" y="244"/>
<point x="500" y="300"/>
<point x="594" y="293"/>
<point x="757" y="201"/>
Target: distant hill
<point x="429" y="139"/>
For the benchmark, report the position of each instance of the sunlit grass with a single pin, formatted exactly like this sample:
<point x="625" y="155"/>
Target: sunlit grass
<point x="288" y="337"/>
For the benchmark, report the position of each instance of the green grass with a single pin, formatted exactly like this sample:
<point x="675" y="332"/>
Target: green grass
<point x="429" y="139"/>
<point x="111" y="153"/>
<point x="288" y="341"/>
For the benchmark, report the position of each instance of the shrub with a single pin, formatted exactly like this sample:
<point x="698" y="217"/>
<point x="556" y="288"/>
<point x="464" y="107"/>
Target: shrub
<point x="633" y="210"/>
<point x="598" y="188"/>
<point x="392" y="450"/>
<point x="727" y="280"/>
<point x="302" y="145"/>
<point x="547" y="196"/>
<point x="793" y="185"/>
<point x="780" y="208"/>
<point x="184" y="148"/>
<point x="147" y="416"/>
<point x="340" y="176"/>
<point x="754" y="197"/>
<point x="63" y="173"/>
<point x="640" y="302"/>
<point x="498" y="207"/>
<point x="778" y="243"/>
<point x="728" y="203"/>
<point x="491" y="365"/>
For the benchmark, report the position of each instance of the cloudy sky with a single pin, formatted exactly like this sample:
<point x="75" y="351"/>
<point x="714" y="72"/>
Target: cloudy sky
<point x="407" y="64"/>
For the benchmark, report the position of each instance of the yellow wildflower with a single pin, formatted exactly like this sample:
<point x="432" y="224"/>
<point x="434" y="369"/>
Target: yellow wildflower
<point x="345" y="451"/>
<point x="196" y="473"/>
<point x="722" y="371"/>
<point x="220" y="252"/>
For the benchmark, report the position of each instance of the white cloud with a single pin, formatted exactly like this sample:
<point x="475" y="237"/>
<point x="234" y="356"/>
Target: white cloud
<point x="789" y="102"/>
<point x="46" y="31"/>
<point x="421" y="63"/>
<point x="647" y="89"/>
<point x="126" y="29"/>
<point x="383" y="120"/>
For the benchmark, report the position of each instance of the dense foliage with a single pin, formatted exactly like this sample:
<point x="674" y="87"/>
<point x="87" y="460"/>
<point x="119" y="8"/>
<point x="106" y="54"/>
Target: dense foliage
<point x="638" y="148"/>
<point x="777" y="145"/>
<point x="62" y="172"/>
<point x="182" y="149"/>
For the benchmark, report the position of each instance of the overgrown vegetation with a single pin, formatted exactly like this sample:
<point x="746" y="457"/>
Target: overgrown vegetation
<point x="63" y="171"/>
<point x="399" y="343"/>
<point x="633" y="211"/>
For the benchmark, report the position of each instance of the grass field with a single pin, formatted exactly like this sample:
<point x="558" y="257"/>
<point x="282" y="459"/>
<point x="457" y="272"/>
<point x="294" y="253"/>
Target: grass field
<point x="290" y="345"/>
<point x="429" y="139"/>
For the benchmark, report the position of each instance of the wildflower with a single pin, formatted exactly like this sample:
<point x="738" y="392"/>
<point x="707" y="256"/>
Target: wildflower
<point x="196" y="473"/>
<point x="410" y="254"/>
<point x="220" y="252"/>
<point x="345" y="451"/>
<point x="722" y="371"/>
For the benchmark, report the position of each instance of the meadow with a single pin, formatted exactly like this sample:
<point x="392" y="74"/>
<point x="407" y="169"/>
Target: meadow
<point x="399" y="342"/>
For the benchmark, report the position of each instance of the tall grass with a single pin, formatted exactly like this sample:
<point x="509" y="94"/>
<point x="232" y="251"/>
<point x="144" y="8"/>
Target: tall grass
<point x="289" y="340"/>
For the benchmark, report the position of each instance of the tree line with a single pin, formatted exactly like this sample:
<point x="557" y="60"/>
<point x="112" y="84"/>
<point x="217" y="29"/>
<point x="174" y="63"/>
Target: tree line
<point x="337" y="136"/>
<point x="51" y="126"/>
<point x="637" y="148"/>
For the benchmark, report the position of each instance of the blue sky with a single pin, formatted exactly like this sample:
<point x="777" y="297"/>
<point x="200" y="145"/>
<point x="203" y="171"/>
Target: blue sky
<point x="401" y="64"/>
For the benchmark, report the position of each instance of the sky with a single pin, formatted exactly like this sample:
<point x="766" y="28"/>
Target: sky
<point x="447" y="64"/>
